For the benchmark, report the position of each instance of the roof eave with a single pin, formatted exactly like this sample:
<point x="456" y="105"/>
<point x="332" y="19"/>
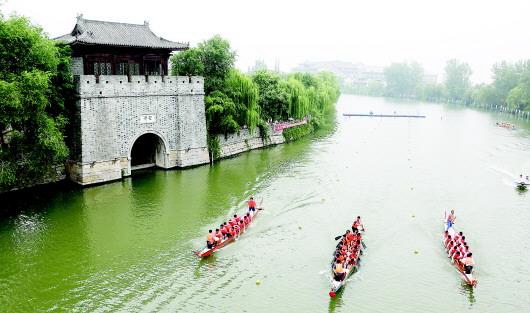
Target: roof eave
<point x="173" y="48"/>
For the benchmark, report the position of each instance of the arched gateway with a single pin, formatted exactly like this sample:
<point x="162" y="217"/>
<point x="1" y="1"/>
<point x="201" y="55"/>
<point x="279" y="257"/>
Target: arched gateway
<point x="148" y="150"/>
<point x="130" y="114"/>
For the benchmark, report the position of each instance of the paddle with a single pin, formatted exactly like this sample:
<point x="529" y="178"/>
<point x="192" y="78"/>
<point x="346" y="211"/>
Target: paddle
<point x="338" y="237"/>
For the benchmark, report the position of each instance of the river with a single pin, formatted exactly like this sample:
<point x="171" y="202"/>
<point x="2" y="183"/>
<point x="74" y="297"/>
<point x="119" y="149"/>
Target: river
<point x="127" y="246"/>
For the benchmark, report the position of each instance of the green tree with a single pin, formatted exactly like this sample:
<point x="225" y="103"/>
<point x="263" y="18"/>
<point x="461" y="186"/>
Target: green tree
<point x="273" y="95"/>
<point x="218" y="59"/>
<point x="220" y="113"/>
<point x="519" y="97"/>
<point x="188" y="63"/>
<point x="485" y="94"/>
<point x="507" y="76"/>
<point x="212" y="59"/>
<point x="402" y="79"/>
<point x="244" y="93"/>
<point x="457" y="79"/>
<point x="298" y="100"/>
<point x="431" y="92"/>
<point x="35" y="84"/>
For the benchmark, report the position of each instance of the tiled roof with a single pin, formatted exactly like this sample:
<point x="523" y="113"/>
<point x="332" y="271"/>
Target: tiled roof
<point x="93" y="32"/>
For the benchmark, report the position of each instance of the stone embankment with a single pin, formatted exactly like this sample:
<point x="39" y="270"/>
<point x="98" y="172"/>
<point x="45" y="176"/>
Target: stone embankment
<point x="230" y="145"/>
<point x="245" y="140"/>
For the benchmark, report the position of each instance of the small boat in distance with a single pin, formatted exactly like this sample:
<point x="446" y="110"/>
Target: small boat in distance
<point x="521" y="186"/>
<point x="522" y="183"/>
<point x="505" y="125"/>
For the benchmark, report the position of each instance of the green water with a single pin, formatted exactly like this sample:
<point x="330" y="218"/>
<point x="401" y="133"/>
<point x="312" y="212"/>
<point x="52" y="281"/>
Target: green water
<point x="126" y="246"/>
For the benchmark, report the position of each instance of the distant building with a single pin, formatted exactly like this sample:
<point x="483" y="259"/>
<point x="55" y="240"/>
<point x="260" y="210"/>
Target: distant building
<point x="349" y="73"/>
<point x="259" y="65"/>
<point x="368" y="74"/>
<point x="277" y="65"/>
<point x="130" y="114"/>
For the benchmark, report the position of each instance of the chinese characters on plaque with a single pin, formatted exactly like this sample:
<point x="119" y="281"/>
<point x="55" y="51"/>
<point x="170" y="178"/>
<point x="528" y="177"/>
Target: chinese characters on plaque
<point x="147" y="118"/>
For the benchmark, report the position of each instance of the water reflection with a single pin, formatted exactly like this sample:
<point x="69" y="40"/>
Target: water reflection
<point x="336" y="302"/>
<point x="467" y="290"/>
<point x="204" y="263"/>
<point x="521" y="192"/>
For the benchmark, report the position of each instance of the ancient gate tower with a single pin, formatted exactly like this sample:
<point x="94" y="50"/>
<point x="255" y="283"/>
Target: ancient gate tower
<point x="130" y="113"/>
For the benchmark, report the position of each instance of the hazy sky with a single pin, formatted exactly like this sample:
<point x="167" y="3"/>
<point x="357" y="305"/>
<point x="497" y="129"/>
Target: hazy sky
<point x="374" y="32"/>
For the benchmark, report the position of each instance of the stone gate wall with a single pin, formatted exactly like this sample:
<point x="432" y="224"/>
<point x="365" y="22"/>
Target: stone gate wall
<point x="115" y="110"/>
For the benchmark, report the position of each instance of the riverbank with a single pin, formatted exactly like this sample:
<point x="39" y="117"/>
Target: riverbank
<point x="228" y="146"/>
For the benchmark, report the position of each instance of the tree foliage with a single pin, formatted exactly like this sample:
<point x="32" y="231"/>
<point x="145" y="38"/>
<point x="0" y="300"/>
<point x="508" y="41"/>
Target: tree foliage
<point x="35" y="84"/>
<point x="244" y="93"/>
<point x="188" y="63"/>
<point x="212" y="59"/>
<point x="510" y="87"/>
<point x="457" y="79"/>
<point x="235" y="100"/>
<point x="273" y="95"/>
<point x="403" y="78"/>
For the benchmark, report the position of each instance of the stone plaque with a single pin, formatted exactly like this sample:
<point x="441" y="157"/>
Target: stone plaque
<point x="147" y="118"/>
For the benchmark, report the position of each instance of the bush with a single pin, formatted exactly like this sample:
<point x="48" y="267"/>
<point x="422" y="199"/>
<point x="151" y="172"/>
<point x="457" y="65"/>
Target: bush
<point x="295" y="133"/>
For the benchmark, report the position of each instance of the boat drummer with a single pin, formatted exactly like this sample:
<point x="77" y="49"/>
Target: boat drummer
<point x="451" y="219"/>
<point x="251" y="205"/>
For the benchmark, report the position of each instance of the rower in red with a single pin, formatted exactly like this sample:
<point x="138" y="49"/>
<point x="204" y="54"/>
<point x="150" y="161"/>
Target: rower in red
<point x="468" y="263"/>
<point x="210" y="239"/>
<point x="218" y="236"/>
<point x="226" y="229"/>
<point x="349" y="237"/>
<point x="251" y="205"/>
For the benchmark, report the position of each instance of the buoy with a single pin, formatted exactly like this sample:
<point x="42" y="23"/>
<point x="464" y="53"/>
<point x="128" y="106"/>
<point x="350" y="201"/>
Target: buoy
<point x="299" y="227"/>
<point x="413" y="216"/>
<point x="323" y="200"/>
<point x="411" y="188"/>
<point x="416" y="252"/>
<point x="258" y="282"/>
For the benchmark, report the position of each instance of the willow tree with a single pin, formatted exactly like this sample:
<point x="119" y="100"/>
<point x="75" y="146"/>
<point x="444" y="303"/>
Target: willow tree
<point x="245" y="94"/>
<point x="298" y="100"/>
